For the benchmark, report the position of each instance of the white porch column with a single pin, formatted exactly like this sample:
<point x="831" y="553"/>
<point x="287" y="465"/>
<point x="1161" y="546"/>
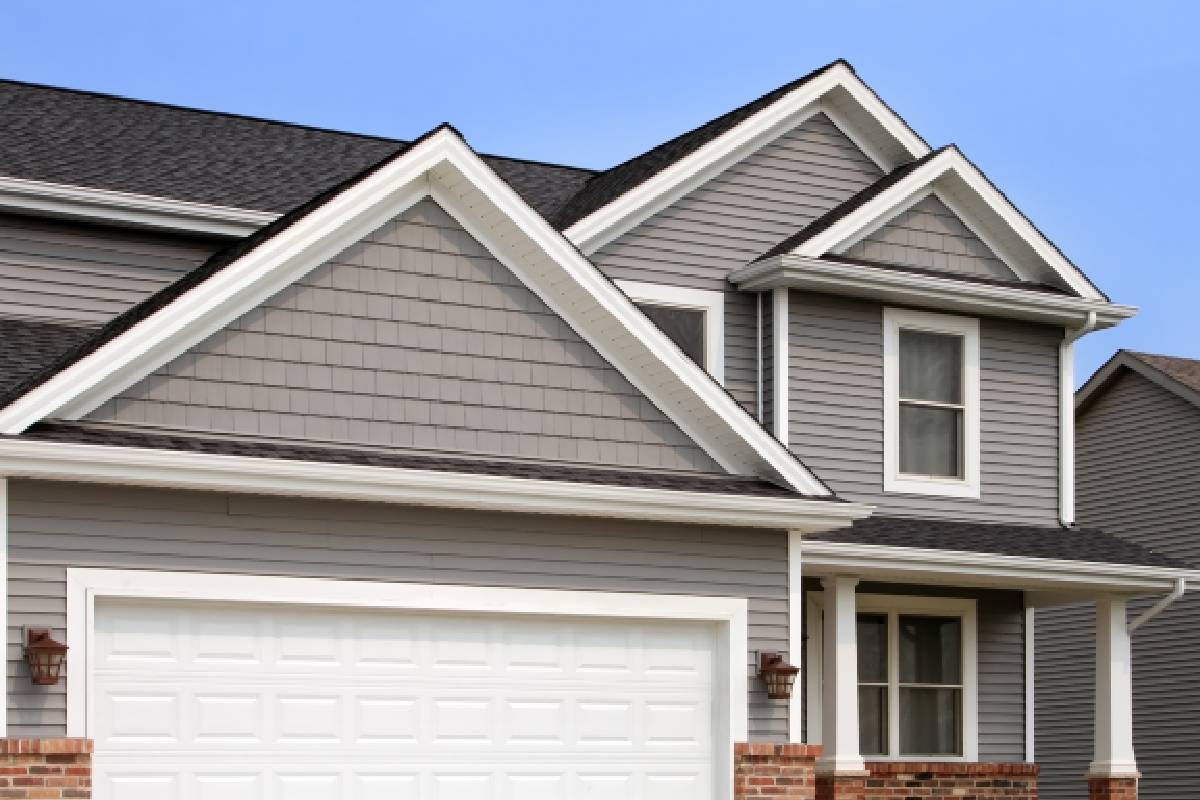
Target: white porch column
<point x="1114" y="692"/>
<point x="839" y="701"/>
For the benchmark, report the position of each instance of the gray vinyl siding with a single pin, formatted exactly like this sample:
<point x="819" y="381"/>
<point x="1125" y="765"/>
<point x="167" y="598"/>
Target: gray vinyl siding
<point x="1001" y="662"/>
<point x="836" y="411"/>
<point x="56" y="526"/>
<point x="931" y="236"/>
<point x="414" y="338"/>
<point x="86" y="274"/>
<point x="730" y="220"/>
<point x="1138" y="476"/>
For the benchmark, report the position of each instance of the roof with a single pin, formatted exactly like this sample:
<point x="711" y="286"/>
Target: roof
<point x="82" y="138"/>
<point x="165" y="439"/>
<point x="1181" y="376"/>
<point x="1021" y="541"/>
<point x="28" y="346"/>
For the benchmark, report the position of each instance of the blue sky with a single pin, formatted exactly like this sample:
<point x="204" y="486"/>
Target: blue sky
<point x="1084" y="113"/>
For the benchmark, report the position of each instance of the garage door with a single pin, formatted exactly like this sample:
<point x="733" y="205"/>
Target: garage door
<point x="231" y="702"/>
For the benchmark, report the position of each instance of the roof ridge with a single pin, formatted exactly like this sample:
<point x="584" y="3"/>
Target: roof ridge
<point x="267" y="120"/>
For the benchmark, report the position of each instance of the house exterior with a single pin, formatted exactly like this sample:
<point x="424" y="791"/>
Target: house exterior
<point x="1138" y="416"/>
<point x="350" y="467"/>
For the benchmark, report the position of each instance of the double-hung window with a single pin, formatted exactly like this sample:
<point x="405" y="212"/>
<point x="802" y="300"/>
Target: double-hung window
<point x="931" y="403"/>
<point x="694" y="319"/>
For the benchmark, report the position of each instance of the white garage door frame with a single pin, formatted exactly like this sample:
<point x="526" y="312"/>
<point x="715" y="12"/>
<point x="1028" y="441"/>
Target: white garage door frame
<point x="730" y="614"/>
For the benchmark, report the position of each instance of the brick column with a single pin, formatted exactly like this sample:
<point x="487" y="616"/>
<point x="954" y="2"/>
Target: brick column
<point x="46" y="769"/>
<point x="779" y="771"/>
<point x="1120" y="787"/>
<point x="842" y="786"/>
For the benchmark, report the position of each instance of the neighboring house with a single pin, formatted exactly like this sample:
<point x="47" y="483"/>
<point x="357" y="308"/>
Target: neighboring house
<point x="357" y="468"/>
<point x="1138" y="450"/>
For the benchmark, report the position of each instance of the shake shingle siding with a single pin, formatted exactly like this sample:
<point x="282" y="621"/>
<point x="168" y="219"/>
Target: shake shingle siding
<point x="1138" y="468"/>
<point x="413" y="338"/>
<point x="56" y="526"/>
<point x="836" y="360"/>
<point x="721" y="226"/>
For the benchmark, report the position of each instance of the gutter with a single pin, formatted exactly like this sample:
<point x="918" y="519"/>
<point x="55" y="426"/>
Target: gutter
<point x="1159" y="607"/>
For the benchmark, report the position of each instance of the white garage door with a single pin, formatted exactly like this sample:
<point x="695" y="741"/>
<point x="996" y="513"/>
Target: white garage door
<point x="231" y="702"/>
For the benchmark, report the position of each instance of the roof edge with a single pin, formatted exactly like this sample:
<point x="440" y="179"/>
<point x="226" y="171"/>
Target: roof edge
<point x="1102" y="379"/>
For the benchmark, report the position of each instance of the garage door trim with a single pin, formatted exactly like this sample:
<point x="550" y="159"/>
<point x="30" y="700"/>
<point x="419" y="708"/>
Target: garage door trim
<point x="730" y="614"/>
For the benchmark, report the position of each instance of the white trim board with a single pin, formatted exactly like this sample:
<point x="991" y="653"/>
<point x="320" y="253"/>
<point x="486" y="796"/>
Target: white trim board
<point x="712" y="303"/>
<point x="85" y="586"/>
<point x="126" y="208"/>
<point x="836" y="91"/>
<point x="441" y="166"/>
<point x="209" y="472"/>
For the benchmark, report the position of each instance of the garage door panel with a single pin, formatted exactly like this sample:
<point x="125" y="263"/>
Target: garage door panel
<point x="279" y="702"/>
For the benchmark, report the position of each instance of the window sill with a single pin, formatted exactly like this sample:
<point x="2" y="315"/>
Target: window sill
<point x="936" y="487"/>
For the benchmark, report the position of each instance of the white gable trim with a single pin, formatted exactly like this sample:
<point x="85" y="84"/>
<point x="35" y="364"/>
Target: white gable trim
<point x="831" y="92"/>
<point x="441" y="166"/>
<point x="911" y="188"/>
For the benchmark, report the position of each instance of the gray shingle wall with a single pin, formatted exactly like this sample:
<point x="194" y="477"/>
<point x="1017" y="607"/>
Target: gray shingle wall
<point x="1138" y="475"/>
<point x="836" y="422"/>
<point x="724" y="224"/>
<point x="413" y="338"/>
<point x="85" y="274"/>
<point x="56" y="526"/>
<point x="929" y="235"/>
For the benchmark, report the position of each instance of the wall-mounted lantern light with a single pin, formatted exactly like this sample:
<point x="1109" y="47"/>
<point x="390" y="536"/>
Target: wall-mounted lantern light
<point x="44" y="655"/>
<point x="777" y="674"/>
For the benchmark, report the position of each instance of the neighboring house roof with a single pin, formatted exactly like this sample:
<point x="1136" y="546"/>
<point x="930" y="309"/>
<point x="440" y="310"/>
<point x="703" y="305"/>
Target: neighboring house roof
<point x="1023" y="541"/>
<point x="1181" y="376"/>
<point x="81" y="138"/>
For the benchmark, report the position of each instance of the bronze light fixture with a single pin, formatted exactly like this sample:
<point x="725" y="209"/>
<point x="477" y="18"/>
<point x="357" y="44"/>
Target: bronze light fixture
<point x="779" y="675"/>
<point x="44" y="655"/>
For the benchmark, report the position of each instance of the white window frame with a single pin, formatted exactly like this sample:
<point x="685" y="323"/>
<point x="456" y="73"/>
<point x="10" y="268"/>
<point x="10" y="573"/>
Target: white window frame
<point x="895" y="606"/>
<point x="729" y="614"/>
<point x="894" y="481"/>
<point x="711" y="302"/>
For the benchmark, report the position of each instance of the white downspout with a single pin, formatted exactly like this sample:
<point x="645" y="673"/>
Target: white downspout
<point x="758" y="350"/>
<point x="1159" y="607"/>
<point x="1066" y="418"/>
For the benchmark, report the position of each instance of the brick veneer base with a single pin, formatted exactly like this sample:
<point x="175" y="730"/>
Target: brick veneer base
<point x="1122" y="788"/>
<point x="45" y="769"/>
<point x="983" y="781"/>
<point x="782" y="771"/>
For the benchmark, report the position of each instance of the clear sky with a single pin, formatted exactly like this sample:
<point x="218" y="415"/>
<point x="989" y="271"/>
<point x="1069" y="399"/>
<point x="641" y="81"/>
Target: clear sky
<point x="1084" y="113"/>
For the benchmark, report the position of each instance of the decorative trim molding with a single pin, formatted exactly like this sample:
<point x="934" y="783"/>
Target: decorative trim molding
<point x="125" y="208"/>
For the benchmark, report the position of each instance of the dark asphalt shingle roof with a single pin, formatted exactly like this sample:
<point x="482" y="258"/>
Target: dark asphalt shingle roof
<point x="1022" y="541"/>
<point x="1183" y="370"/>
<point x="262" y="448"/>
<point x="1015" y="283"/>
<point x="28" y="346"/>
<point x="107" y="142"/>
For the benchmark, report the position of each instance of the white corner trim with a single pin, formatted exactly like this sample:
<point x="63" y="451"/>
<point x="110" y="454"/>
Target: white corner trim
<point x="796" y="628"/>
<point x="947" y="294"/>
<point x="126" y="208"/>
<point x="4" y="594"/>
<point x="240" y="474"/>
<point x="1030" y="683"/>
<point x="610" y="221"/>
<point x="712" y="303"/>
<point x="780" y="364"/>
<point x="86" y="586"/>
<point x="895" y="320"/>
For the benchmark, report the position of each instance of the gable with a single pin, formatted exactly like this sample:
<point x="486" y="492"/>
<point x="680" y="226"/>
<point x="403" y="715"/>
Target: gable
<point x="928" y="235"/>
<point x="415" y="337"/>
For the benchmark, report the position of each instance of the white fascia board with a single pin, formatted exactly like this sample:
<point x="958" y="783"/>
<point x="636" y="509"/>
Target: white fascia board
<point x="44" y="198"/>
<point x="652" y="195"/>
<point x="897" y="197"/>
<point x="960" y="568"/>
<point x="928" y="291"/>
<point x="243" y="474"/>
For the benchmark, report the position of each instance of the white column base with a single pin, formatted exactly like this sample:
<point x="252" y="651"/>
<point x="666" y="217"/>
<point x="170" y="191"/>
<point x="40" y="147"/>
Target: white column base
<point x="1113" y="769"/>
<point x="841" y="766"/>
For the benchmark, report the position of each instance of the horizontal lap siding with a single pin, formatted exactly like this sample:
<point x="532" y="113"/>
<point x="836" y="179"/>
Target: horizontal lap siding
<point x="836" y="424"/>
<point x="416" y="338"/>
<point x="56" y="526"/>
<point x="87" y="274"/>
<point x="724" y="224"/>
<point x="1138" y="468"/>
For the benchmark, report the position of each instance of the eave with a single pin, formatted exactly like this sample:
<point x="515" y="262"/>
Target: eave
<point x="926" y="291"/>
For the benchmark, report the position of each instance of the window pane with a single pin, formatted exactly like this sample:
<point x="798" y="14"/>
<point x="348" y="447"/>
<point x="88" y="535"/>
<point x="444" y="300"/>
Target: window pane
<point x="930" y="722"/>
<point x="872" y="720"/>
<point x="684" y="327"/>
<point x="931" y="441"/>
<point x="930" y="367"/>
<point x="930" y="650"/>
<point x="872" y="648"/>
